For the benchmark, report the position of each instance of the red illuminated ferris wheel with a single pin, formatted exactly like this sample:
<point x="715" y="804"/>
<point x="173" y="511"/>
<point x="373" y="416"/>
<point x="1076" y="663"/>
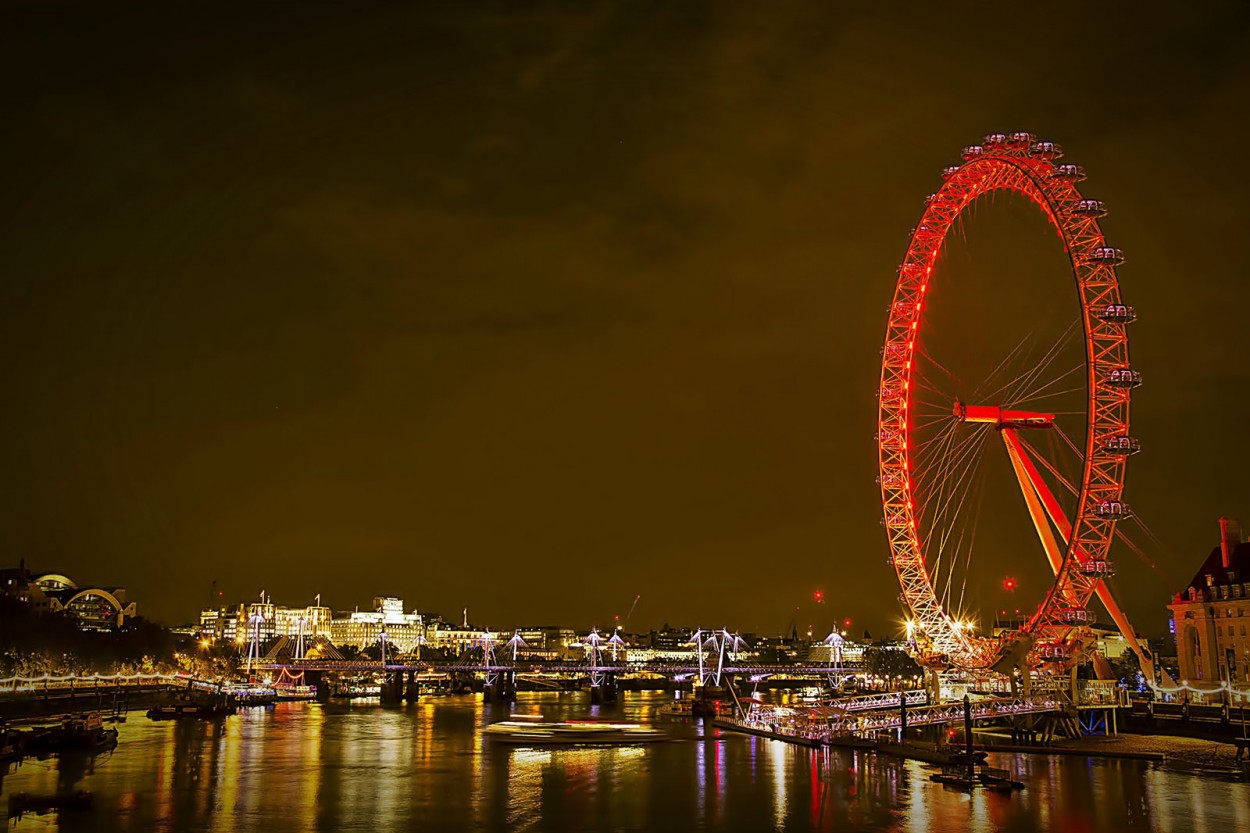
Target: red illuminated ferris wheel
<point x="928" y="461"/>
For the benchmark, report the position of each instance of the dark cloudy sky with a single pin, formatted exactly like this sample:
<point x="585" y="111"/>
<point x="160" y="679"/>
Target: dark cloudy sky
<point x="536" y="307"/>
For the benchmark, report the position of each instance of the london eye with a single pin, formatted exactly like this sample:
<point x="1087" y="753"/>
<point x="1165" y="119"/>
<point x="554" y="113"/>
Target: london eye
<point x="1058" y="428"/>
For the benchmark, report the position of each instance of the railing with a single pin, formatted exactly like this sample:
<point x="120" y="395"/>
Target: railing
<point x="1101" y="693"/>
<point x="48" y="684"/>
<point x="950" y="713"/>
<point x="883" y="700"/>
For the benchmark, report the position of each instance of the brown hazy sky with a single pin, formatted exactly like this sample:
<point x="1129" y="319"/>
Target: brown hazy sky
<point x="532" y="308"/>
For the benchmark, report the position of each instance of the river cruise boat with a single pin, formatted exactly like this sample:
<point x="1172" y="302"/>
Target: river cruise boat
<point x="571" y="732"/>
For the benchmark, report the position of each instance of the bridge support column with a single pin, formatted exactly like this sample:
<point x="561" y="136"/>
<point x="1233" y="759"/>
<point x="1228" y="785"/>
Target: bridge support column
<point x="317" y="679"/>
<point x="412" y="690"/>
<point x="499" y="688"/>
<point x="603" y="688"/>
<point x="392" y="692"/>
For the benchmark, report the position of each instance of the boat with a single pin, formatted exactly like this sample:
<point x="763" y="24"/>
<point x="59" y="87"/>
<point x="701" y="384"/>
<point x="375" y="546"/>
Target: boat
<point x="963" y="759"/>
<point x="678" y="708"/>
<point x="204" y="711"/>
<point x="20" y="803"/>
<point x="995" y="778"/>
<point x="247" y="696"/>
<point x="953" y="779"/>
<point x="571" y="732"/>
<point x="79" y="732"/>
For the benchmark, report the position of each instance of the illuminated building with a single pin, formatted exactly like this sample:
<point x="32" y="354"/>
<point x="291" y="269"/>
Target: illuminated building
<point x="362" y="629"/>
<point x="229" y="623"/>
<point x="1209" y="617"/>
<point x="546" y="642"/>
<point x="93" y="608"/>
<point x="454" y="638"/>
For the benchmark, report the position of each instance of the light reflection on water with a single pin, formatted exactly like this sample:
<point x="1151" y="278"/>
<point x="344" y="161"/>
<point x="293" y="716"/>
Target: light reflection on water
<point x="349" y="767"/>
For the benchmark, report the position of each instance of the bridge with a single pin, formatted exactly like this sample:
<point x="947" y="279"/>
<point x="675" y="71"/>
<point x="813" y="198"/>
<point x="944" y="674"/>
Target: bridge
<point x="402" y="676"/>
<point x="642" y="668"/>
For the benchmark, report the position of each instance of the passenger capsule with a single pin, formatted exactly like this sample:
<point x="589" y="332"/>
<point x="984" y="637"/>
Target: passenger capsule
<point x="1123" y="377"/>
<point x="992" y="139"/>
<point x="949" y="172"/>
<point x="1113" y="510"/>
<point x="1117" y="314"/>
<point x="1121" y="445"/>
<point x="973" y="152"/>
<point x="1105" y="255"/>
<point x="1090" y="208"/>
<point x="1073" y="172"/>
<point x="1046" y="150"/>
<point x="1097" y="567"/>
<point x="1055" y="652"/>
<point x="1074" y="615"/>
<point x="1020" y="140"/>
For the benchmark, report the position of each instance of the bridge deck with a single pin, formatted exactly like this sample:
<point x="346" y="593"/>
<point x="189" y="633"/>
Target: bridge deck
<point x="419" y="666"/>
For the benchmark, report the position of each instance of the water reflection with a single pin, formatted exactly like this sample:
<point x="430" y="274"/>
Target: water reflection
<point x="361" y="767"/>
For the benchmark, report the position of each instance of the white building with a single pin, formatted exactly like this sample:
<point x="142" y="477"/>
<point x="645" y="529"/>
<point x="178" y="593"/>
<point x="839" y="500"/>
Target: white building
<point x="363" y="629"/>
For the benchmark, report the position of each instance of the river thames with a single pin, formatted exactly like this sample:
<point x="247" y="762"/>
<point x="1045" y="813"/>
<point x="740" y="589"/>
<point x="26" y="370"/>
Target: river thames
<point x="359" y="767"/>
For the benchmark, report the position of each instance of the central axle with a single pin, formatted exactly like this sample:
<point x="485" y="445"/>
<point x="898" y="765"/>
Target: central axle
<point x="1000" y="418"/>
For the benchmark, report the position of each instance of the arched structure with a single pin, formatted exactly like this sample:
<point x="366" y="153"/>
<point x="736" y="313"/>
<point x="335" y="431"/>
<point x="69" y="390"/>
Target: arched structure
<point x="99" y="609"/>
<point x="1079" y="557"/>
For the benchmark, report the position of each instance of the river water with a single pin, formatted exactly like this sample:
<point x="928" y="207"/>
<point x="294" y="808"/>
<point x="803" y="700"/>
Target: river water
<point x="359" y="767"/>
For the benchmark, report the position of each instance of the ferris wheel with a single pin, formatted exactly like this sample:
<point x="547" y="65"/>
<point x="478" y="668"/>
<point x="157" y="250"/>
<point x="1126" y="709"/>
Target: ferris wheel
<point x="935" y="428"/>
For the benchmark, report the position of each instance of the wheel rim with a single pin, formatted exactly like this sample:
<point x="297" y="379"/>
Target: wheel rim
<point x="1014" y="163"/>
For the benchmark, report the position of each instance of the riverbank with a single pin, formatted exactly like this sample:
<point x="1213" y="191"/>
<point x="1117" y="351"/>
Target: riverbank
<point x="1160" y="747"/>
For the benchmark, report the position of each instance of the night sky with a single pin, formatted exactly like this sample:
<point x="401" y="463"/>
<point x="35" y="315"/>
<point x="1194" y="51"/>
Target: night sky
<point x="533" y="308"/>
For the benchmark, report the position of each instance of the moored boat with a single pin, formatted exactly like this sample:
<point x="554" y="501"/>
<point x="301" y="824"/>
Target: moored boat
<point x="80" y="732"/>
<point x="995" y="778"/>
<point x="678" y="708"/>
<point x="176" y="711"/>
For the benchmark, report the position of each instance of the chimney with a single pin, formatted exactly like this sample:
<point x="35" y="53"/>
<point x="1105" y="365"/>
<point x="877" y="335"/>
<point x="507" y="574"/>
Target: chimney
<point x="1230" y="537"/>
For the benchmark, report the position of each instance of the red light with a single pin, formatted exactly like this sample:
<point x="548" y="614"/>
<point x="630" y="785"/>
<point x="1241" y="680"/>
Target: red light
<point x="846" y="623"/>
<point x="1009" y="584"/>
<point x="819" y="596"/>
